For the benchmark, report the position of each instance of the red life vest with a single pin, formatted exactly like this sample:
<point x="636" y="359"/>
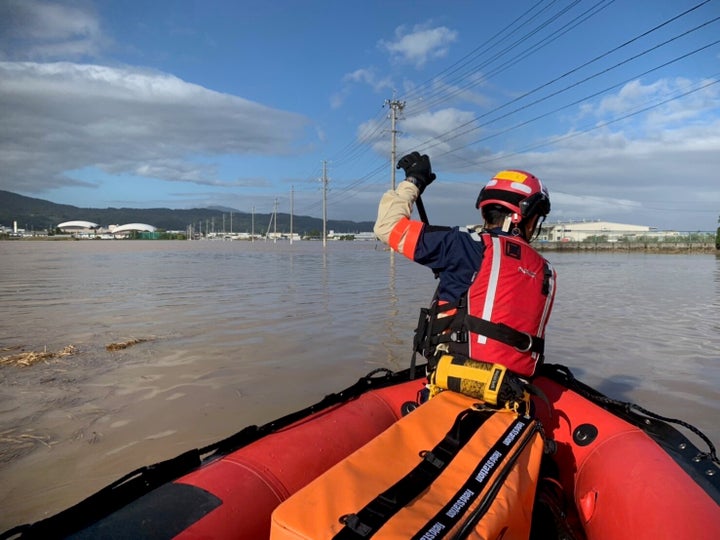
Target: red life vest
<point x="515" y="288"/>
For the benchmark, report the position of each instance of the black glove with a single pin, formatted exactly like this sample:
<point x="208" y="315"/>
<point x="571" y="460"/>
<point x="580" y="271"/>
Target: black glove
<point x="417" y="169"/>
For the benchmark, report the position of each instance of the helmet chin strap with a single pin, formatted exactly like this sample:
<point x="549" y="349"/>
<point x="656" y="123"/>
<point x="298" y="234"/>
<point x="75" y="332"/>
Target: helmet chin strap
<point x="538" y="228"/>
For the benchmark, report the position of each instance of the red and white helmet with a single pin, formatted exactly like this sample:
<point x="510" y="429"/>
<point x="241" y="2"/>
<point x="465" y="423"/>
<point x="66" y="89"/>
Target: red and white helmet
<point x="520" y="192"/>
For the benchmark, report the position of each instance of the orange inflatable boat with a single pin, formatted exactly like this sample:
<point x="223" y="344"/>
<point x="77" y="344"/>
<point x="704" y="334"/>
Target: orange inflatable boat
<point x="611" y="470"/>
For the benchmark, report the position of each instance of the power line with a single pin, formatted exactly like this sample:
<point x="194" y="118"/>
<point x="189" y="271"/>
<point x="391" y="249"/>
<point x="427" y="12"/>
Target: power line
<point x="576" y="102"/>
<point x="361" y="145"/>
<point x="486" y="46"/>
<point x="447" y="136"/>
<point x="467" y="81"/>
<point x="554" y="140"/>
<point x="537" y="46"/>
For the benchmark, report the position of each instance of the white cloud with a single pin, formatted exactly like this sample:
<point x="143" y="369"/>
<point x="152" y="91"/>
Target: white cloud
<point x="420" y="44"/>
<point x="674" y="100"/>
<point x="419" y="131"/>
<point x="63" y="117"/>
<point x="369" y="77"/>
<point x="659" y="168"/>
<point x="463" y="91"/>
<point x="427" y="128"/>
<point x="170" y="169"/>
<point x="669" y="179"/>
<point x="629" y="96"/>
<point x="31" y="29"/>
<point x="363" y="76"/>
<point x="568" y="206"/>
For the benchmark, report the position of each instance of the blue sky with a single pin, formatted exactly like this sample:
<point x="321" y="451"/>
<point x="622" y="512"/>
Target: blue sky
<point x="615" y="105"/>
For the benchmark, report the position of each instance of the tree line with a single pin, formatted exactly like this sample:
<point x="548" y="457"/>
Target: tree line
<point x="40" y="215"/>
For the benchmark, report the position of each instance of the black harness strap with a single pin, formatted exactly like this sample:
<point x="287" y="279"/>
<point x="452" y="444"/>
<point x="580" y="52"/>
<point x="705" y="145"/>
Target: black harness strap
<point x="547" y="278"/>
<point x="522" y="341"/>
<point x="377" y="512"/>
<point x="433" y="328"/>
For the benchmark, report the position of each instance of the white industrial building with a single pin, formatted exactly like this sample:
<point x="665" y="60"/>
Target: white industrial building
<point x="88" y="229"/>
<point x="78" y="226"/>
<point x="124" y="230"/>
<point x="578" y="231"/>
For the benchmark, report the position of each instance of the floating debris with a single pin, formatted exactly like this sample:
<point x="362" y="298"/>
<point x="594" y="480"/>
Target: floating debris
<point x="125" y="344"/>
<point x="14" y="444"/>
<point x="28" y="358"/>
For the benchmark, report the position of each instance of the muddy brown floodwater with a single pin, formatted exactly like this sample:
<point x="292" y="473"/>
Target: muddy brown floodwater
<point x="219" y="335"/>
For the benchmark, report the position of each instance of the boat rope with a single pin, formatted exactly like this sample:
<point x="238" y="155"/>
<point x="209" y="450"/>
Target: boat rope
<point x="711" y="453"/>
<point x="385" y="371"/>
<point x="556" y="371"/>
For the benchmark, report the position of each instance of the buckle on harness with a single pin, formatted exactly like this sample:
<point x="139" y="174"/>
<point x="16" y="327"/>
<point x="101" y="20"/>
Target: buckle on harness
<point x="459" y="336"/>
<point x="529" y="345"/>
<point x="432" y="459"/>
<point x="352" y="522"/>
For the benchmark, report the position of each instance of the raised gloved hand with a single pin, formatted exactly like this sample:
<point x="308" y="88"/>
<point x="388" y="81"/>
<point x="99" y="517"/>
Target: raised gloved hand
<point x="417" y="169"/>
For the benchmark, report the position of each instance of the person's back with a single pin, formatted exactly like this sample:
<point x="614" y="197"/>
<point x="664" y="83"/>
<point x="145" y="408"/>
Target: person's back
<point x="495" y="292"/>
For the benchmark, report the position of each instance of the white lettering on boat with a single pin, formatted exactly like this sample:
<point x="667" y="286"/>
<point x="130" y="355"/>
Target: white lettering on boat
<point x="513" y="434"/>
<point x="488" y="467"/>
<point x="460" y="503"/>
<point x="433" y="532"/>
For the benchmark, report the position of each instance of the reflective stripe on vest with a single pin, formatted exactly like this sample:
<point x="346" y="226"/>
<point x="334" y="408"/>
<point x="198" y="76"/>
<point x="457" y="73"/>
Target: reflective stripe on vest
<point x="492" y="285"/>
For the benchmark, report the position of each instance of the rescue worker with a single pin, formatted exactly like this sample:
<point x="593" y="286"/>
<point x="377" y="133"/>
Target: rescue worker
<point x="495" y="292"/>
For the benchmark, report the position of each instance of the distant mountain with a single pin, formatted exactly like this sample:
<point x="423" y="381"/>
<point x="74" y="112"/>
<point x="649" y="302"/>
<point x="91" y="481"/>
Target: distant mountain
<point x="38" y="214"/>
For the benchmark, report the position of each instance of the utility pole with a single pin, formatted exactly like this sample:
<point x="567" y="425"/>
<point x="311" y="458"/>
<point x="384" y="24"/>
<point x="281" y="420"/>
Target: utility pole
<point x="252" y="225"/>
<point x="275" y="221"/>
<point x="292" y="206"/>
<point x="395" y="107"/>
<point x="325" y="183"/>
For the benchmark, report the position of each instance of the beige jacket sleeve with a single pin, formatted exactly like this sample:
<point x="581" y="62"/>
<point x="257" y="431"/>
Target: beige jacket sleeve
<point x="394" y="205"/>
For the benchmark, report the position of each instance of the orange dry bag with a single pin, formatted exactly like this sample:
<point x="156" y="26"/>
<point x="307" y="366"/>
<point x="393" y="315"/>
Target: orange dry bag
<point x="449" y="469"/>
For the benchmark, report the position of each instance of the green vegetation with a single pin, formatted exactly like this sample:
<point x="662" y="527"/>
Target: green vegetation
<point x="680" y="238"/>
<point x="596" y="239"/>
<point x="172" y="236"/>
